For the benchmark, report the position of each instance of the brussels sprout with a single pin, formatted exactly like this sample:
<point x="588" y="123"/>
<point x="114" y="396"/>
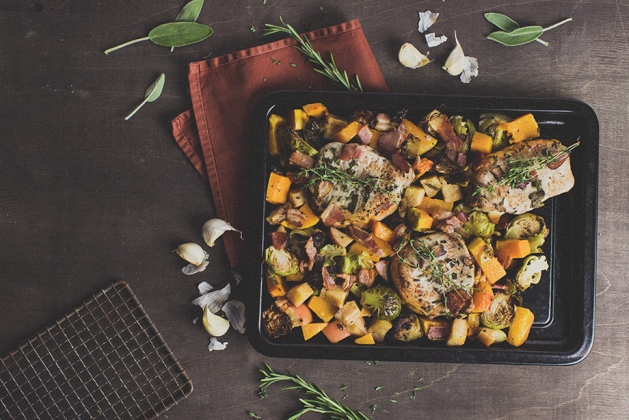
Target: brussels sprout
<point x="382" y="301"/>
<point x="280" y="261"/>
<point x="501" y="312"/>
<point x="407" y="328"/>
<point x="330" y="251"/>
<point x="297" y="239"/>
<point x="531" y="271"/>
<point x="463" y="127"/>
<point x="478" y="224"/>
<point x="489" y="125"/>
<point x="530" y="227"/>
<point x="353" y="262"/>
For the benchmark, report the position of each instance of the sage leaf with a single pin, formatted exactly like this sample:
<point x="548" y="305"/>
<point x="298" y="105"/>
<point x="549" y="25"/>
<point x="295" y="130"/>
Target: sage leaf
<point x="189" y="13"/>
<point x="520" y="36"/>
<point x="151" y="94"/>
<point x="503" y="22"/>
<point x="173" y="34"/>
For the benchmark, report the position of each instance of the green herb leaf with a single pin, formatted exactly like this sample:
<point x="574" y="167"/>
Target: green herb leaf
<point x="189" y="13"/>
<point x="503" y="22"/>
<point x="173" y="34"/>
<point x="152" y="93"/>
<point x="520" y="36"/>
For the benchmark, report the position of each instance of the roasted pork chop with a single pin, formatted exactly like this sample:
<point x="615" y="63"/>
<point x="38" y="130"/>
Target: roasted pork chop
<point x="434" y="275"/>
<point x="357" y="203"/>
<point x="493" y="192"/>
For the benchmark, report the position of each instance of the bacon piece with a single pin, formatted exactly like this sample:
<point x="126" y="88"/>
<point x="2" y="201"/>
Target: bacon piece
<point x="295" y="217"/>
<point x="450" y="224"/>
<point x="400" y="163"/>
<point x="311" y="252"/>
<point x="348" y="281"/>
<point x="328" y="280"/>
<point x="297" y="158"/>
<point x="441" y="214"/>
<point x="391" y="141"/>
<point x="382" y="269"/>
<point x="331" y="215"/>
<point x="365" y="134"/>
<point x="350" y="151"/>
<point x="279" y="239"/>
<point x="364" y="238"/>
<point x="457" y="301"/>
<point x="367" y="276"/>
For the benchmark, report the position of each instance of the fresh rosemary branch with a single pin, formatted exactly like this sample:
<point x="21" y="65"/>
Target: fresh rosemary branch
<point x="328" y="69"/>
<point x="523" y="170"/>
<point x="321" y="403"/>
<point x="337" y="176"/>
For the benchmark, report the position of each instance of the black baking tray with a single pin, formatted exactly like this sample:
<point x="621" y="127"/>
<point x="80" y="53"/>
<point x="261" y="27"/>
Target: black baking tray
<point x="563" y="302"/>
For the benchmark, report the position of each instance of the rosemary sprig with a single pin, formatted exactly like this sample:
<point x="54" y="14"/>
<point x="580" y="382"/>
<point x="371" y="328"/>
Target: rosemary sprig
<point x="523" y="170"/>
<point x="337" y="176"/>
<point x="328" y="69"/>
<point x="321" y="403"/>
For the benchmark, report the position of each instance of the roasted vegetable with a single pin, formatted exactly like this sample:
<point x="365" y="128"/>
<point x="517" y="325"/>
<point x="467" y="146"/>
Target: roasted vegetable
<point x="280" y="261"/>
<point x="531" y="271"/>
<point x="329" y="252"/>
<point x="489" y="125"/>
<point x="352" y="262"/>
<point x="489" y="336"/>
<point x="382" y="301"/>
<point x="521" y="326"/>
<point x="500" y="313"/>
<point x="407" y="328"/>
<point x="352" y="318"/>
<point x="478" y="224"/>
<point x="530" y="227"/>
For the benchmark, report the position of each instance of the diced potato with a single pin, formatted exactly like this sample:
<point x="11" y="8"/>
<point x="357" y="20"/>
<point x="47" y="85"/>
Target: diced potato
<point x="335" y="331"/>
<point x="273" y="145"/>
<point x="431" y="184"/>
<point x="379" y="328"/>
<point x="297" y="198"/>
<point x="473" y="324"/>
<point x="351" y="317"/>
<point x="451" y="193"/>
<point x="458" y="332"/>
<point x="336" y="296"/>
<point x="413" y="195"/>
<point x="340" y="238"/>
<point x="494" y="216"/>
<point x="299" y="294"/>
<point x="488" y="336"/>
<point x="310" y="220"/>
<point x="322" y="308"/>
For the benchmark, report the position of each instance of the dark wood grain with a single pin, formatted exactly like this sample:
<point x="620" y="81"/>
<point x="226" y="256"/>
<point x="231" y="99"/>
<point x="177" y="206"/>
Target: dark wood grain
<point x="87" y="197"/>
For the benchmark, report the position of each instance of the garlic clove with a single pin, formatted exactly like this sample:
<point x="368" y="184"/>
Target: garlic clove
<point x="214" y="299"/>
<point x="410" y="57"/>
<point x="215" y="325"/>
<point x="456" y="60"/>
<point x="193" y="253"/>
<point x="235" y="311"/>
<point x="426" y="20"/>
<point x="214" y="228"/>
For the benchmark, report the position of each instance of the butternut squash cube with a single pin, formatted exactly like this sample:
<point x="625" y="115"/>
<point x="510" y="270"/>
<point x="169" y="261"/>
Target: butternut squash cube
<point x="322" y="308"/>
<point x="481" y="143"/>
<point x="298" y="119"/>
<point x="299" y="294"/>
<point x="522" y="128"/>
<point x="312" y="329"/>
<point x="315" y="110"/>
<point x="365" y="339"/>
<point x="520" y="327"/>
<point x="273" y="144"/>
<point x="277" y="188"/>
<point x="432" y="204"/>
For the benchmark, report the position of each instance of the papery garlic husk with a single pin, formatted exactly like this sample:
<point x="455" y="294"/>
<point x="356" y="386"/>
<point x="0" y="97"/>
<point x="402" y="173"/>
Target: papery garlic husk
<point x="470" y="69"/>
<point x="215" y="325"/>
<point x="237" y="277"/>
<point x="456" y="60"/>
<point x="191" y="252"/>
<point x="191" y="269"/>
<point x="216" y="345"/>
<point x="214" y="229"/>
<point x="432" y="40"/>
<point x="215" y="299"/>
<point x="235" y="311"/>
<point x="426" y="19"/>
<point x="410" y="57"/>
<point x="204" y="287"/>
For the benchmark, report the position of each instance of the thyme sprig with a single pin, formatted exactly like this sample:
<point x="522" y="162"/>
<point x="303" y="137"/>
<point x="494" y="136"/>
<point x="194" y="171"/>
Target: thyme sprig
<point x="321" y="403"/>
<point x="346" y="178"/>
<point x="328" y="69"/>
<point x="524" y="170"/>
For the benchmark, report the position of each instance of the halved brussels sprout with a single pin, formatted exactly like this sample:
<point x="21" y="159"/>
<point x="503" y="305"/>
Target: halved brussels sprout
<point x="501" y="312"/>
<point x="382" y="301"/>
<point x="531" y="271"/>
<point x="407" y="328"/>
<point x="280" y="261"/>
<point x="530" y="227"/>
<point x="478" y="224"/>
<point x="353" y="262"/>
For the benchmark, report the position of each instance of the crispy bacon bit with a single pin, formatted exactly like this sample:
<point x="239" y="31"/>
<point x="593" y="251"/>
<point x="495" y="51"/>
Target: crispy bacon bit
<point x="450" y="224"/>
<point x="441" y="214"/>
<point x="391" y="141"/>
<point x="382" y="269"/>
<point x="458" y="301"/>
<point x="297" y="158"/>
<point x="400" y="163"/>
<point x="350" y="151"/>
<point x="331" y="215"/>
<point x="328" y="280"/>
<point x="438" y="332"/>
<point x="364" y="238"/>
<point x="311" y="252"/>
<point x="348" y="281"/>
<point x="479" y="161"/>
<point x="367" y="276"/>
<point x="365" y="134"/>
<point x="279" y="239"/>
<point x="278" y="215"/>
<point x="461" y="159"/>
<point x="295" y="217"/>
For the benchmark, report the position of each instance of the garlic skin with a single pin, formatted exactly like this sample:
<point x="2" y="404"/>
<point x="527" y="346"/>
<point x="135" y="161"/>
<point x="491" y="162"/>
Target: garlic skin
<point x="214" y="229"/>
<point x="235" y="311"/>
<point x="215" y="325"/>
<point x="456" y="60"/>
<point x="215" y="299"/>
<point x="426" y="20"/>
<point x="432" y="40"/>
<point x="410" y="57"/>
<point x="193" y="253"/>
<point x="470" y="69"/>
<point x="216" y="345"/>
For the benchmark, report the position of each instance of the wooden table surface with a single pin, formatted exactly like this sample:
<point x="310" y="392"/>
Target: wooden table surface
<point x="87" y="198"/>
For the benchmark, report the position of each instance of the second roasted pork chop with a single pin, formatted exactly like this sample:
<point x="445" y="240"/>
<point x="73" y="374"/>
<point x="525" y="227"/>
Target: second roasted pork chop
<point x="434" y="275"/>
<point x="374" y="197"/>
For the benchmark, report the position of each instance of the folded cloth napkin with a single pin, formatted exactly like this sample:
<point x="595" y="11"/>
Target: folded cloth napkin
<point x="215" y="134"/>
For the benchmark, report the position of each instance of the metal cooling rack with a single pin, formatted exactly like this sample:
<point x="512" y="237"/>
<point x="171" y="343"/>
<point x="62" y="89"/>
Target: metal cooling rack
<point x="103" y="360"/>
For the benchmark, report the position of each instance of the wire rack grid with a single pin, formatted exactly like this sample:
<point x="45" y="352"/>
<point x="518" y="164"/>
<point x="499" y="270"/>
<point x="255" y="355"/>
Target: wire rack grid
<point x="105" y="359"/>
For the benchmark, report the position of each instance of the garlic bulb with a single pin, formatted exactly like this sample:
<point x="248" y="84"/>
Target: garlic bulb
<point x="410" y="57"/>
<point x="456" y="60"/>
<point x="214" y="228"/>
<point x="215" y="325"/>
<point x="193" y="253"/>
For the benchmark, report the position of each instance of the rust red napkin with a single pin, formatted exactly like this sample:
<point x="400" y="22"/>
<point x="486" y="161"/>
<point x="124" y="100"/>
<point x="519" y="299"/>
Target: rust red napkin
<point x="215" y="134"/>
